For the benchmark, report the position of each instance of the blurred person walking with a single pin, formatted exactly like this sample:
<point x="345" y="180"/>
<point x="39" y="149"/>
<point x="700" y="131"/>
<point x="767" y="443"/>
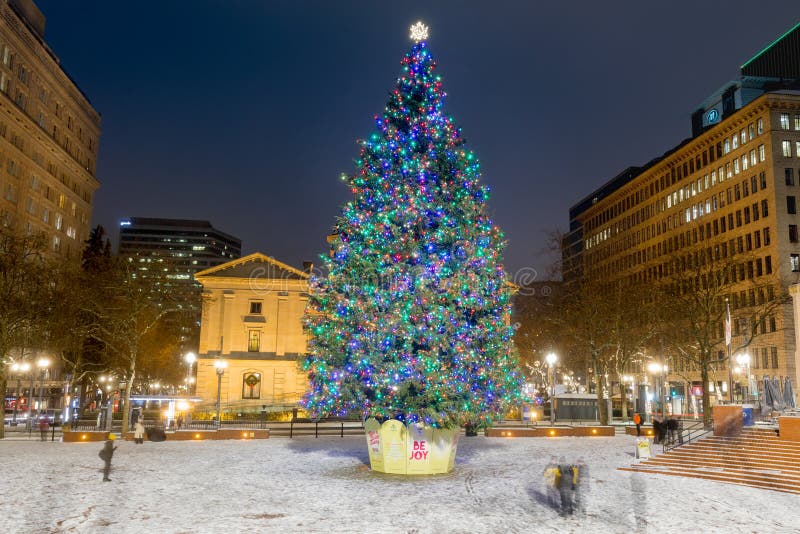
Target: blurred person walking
<point x="105" y="454"/>
<point x="43" y="426"/>
<point x="566" y="485"/>
<point x="138" y="432"/>
<point x="551" y="482"/>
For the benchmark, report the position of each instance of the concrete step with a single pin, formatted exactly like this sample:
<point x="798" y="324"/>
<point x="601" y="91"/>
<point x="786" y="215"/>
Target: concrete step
<point x="755" y="482"/>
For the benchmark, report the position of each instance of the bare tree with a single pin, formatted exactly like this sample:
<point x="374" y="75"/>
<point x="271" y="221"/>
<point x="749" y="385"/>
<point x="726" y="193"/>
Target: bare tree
<point x="23" y="289"/>
<point x="698" y="287"/>
<point x="127" y="311"/>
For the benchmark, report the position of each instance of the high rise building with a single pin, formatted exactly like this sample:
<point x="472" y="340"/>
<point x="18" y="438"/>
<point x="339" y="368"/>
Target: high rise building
<point x="730" y="189"/>
<point x="49" y="134"/>
<point x="172" y="251"/>
<point x="185" y="246"/>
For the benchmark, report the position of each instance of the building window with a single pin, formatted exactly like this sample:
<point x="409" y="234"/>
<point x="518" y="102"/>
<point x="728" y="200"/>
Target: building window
<point x="255" y="307"/>
<point x="768" y="264"/>
<point x="761" y="153"/>
<point x="784" y="121"/>
<point x="726" y="146"/>
<point x="791" y="204"/>
<point x="253" y="341"/>
<point x="789" y="173"/>
<point x="56" y="243"/>
<point x="786" y="148"/>
<point x="764" y="208"/>
<point x="794" y="261"/>
<point x="797" y="122"/>
<point x="793" y="233"/>
<point x="766" y="236"/>
<point x="251" y="386"/>
<point x="774" y="353"/>
<point x="763" y="178"/>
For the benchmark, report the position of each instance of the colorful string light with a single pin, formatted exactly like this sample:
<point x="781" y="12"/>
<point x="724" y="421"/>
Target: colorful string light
<point x="411" y="321"/>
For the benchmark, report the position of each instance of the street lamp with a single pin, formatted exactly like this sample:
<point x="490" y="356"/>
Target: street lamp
<point x="19" y="369"/>
<point x="658" y="371"/>
<point x="220" y="366"/>
<point x="744" y="362"/>
<point x="190" y="358"/>
<point x="551" y="359"/>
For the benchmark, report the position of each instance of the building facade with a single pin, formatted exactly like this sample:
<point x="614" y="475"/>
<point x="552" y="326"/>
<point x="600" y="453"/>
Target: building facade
<point x="730" y="189"/>
<point x="252" y="320"/>
<point x="49" y="136"/>
<point x="188" y="246"/>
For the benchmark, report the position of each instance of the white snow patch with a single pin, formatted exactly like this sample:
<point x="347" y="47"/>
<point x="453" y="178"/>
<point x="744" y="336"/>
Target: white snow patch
<point x="324" y="485"/>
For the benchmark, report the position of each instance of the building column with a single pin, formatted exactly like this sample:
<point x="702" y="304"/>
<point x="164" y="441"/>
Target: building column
<point x="794" y="291"/>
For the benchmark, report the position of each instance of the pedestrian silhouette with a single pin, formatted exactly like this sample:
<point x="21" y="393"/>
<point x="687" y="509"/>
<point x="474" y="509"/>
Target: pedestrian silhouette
<point x="105" y="454"/>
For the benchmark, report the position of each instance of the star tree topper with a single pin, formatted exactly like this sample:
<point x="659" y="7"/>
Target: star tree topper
<point x="419" y="32"/>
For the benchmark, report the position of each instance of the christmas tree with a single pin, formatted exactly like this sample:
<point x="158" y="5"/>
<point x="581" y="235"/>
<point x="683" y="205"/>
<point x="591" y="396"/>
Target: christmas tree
<point x="411" y="321"/>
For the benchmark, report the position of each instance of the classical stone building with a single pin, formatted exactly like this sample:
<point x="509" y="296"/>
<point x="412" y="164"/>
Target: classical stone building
<point x="730" y="189"/>
<point x="252" y="321"/>
<point x="49" y="134"/>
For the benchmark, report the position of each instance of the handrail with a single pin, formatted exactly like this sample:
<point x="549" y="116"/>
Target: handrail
<point x="686" y="435"/>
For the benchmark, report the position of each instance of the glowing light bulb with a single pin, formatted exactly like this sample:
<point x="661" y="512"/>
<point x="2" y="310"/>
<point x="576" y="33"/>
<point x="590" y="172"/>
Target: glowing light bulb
<point x="419" y="32"/>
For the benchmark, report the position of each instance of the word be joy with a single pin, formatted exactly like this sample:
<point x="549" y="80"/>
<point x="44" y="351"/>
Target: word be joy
<point x="419" y="451"/>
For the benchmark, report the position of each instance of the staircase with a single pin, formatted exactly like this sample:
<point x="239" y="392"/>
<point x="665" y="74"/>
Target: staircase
<point x="756" y="458"/>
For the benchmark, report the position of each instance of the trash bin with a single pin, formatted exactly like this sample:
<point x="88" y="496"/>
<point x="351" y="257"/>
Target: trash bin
<point x="747" y="414"/>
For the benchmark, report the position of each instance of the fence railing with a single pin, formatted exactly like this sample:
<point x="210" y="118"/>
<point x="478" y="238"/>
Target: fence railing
<point x="326" y="425"/>
<point x="685" y="434"/>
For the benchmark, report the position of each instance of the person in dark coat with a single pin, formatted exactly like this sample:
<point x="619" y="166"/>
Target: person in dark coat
<point x="658" y="431"/>
<point x="672" y="429"/>
<point x="43" y="426"/>
<point x="106" y="453"/>
<point x="566" y="485"/>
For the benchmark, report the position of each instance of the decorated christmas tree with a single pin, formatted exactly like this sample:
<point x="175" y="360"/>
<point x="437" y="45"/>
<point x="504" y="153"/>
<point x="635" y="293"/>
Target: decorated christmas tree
<point x="411" y="321"/>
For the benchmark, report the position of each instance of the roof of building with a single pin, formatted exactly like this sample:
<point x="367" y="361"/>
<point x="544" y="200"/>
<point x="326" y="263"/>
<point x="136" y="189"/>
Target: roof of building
<point x="256" y="266"/>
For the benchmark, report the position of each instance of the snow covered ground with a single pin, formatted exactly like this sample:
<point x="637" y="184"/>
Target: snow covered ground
<point x="324" y="485"/>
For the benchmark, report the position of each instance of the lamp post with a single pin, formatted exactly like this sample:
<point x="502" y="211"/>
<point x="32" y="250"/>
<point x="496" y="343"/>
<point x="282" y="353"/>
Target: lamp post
<point x="658" y="371"/>
<point x="190" y="358"/>
<point x="220" y="366"/>
<point x="744" y="362"/>
<point x="551" y="359"/>
<point x="19" y="369"/>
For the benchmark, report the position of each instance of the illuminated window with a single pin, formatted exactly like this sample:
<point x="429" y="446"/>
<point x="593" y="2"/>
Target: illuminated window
<point x="786" y="148"/>
<point x="761" y="153"/>
<point x="251" y="386"/>
<point x="794" y="262"/>
<point x="797" y="122"/>
<point x="253" y="341"/>
<point x="726" y="146"/>
<point x="760" y="124"/>
<point x="784" y="121"/>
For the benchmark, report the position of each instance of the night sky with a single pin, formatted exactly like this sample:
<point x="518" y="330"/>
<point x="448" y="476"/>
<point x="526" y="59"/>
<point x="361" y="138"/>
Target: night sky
<point x="246" y="112"/>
